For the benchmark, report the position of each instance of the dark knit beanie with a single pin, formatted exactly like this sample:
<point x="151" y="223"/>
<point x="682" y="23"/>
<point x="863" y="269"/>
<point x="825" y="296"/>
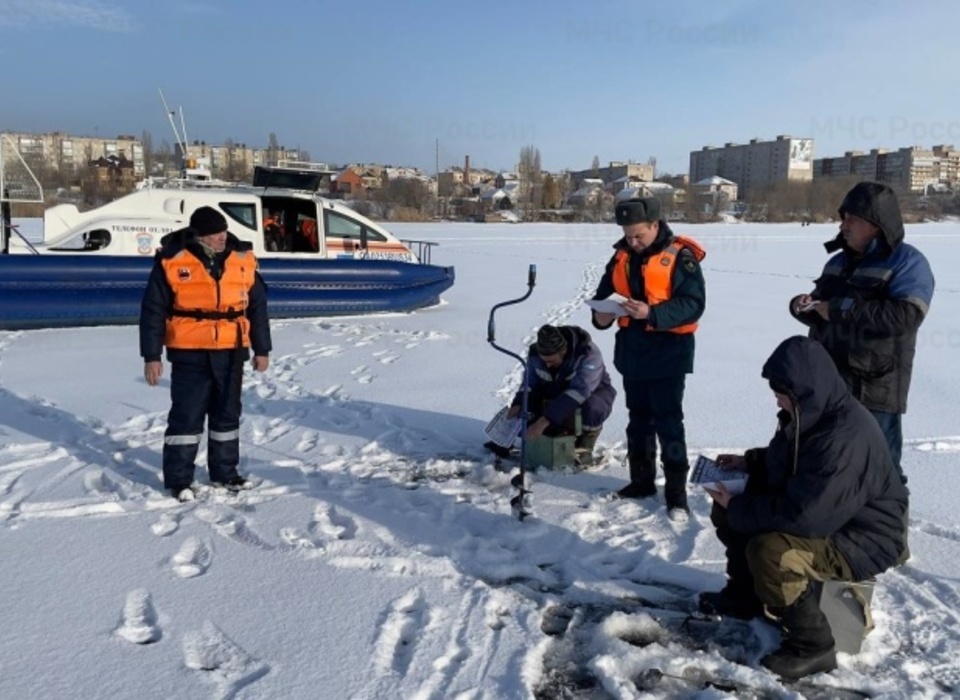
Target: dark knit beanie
<point x="207" y="220"/>
<point x="550" y="341"/>
<point x="636" y="211"/>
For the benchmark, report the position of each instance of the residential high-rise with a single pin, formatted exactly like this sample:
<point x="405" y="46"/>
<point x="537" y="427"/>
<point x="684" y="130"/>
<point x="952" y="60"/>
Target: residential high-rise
<point x="755" y="165"/>
<point x="910" y="169"/>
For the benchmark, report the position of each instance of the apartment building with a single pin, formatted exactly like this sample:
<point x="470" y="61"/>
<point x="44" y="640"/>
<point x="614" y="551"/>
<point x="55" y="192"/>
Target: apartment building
<point x="755" y="165"/>
<point x="616" y="170"/>
<point x="234" y="161"/>
<point x="64" y="152"/>
<point x="910" y="169"/>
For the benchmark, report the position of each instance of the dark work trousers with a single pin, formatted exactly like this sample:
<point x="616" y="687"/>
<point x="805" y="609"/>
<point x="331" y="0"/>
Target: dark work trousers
<point x="656" y="413"/>
<point x="890" y="423"/>
<point x="739" y="578"/>
<point x="593" y="412"/>
<point x="205" y="384"/>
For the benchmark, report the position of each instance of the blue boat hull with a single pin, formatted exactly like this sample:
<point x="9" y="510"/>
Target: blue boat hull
<point x="59" y="291"/>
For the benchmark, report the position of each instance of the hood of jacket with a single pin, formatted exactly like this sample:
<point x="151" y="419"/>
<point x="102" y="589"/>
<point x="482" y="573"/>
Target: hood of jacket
<point x="876" y="203"/>
<point x="802" y="369"/>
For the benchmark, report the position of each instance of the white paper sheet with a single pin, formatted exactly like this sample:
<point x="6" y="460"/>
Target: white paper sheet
<point x="610" y="305"/>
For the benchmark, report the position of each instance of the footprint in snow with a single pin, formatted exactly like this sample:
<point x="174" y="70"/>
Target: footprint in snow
<point x="330" y="524"/>
<point x="555" y="620"/>
<point x="193" y="558"/>
<point x="97" y="482"/>
<point x="301" y="542"/>
<point x="166" y="525"/>
<point x="308" y="440"/>
<point x="228" y="666"/>
<point x="139" y="622"/>
<point x="404" y="624"/>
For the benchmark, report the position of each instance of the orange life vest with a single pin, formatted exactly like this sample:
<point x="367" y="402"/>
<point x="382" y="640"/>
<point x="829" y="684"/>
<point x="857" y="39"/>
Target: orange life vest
<point x="309" y="231"/>
<point x="207" y="314"/>
<point x="657" y="273"/>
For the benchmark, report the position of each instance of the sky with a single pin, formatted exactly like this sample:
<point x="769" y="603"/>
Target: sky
<point x="425" y="82"/>
<point x="377" y="556"/>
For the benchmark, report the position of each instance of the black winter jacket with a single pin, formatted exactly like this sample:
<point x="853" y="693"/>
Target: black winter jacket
<point x="157" y="302"/>
<point x="828" y="472"/>
<point x="642" y="354"/>
<point x="877" y="301"/>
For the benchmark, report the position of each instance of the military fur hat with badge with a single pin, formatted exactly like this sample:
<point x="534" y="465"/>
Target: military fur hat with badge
<point x="640" y="210"/>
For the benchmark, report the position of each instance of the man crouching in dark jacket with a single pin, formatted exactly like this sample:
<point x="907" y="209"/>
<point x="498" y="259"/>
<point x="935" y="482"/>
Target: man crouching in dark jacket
<point x="566" y="374"/>
<point x="823" y="502"/>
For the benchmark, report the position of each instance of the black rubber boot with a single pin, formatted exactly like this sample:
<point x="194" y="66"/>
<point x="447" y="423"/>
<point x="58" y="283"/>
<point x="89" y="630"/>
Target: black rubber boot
<point x="675" y="490"/>
<point x="808" y="646"/>
<point x="732" y="600"/>
<point x="642" y="475"/>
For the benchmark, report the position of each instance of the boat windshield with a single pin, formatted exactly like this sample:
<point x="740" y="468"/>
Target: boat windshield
<point x="85" y="242"/>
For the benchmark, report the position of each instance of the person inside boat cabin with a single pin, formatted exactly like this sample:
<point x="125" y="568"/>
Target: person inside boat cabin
<point x="275" y="238"/>
<point x="307" y="240"/>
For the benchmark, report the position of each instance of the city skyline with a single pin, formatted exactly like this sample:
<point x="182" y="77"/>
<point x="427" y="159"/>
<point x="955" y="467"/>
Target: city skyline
<point x="620" y="80"/>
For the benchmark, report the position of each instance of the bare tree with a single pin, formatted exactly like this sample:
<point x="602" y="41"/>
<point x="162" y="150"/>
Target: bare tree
<point x="146" y="141"/>
<point x="273" y="149"/>
<point x="531" y="182"/>
<point x="163" y="157"/>
<point x="552" y="197"/>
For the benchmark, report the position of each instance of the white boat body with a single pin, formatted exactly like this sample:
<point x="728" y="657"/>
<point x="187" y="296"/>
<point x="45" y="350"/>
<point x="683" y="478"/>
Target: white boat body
<point x="134" y="224"/>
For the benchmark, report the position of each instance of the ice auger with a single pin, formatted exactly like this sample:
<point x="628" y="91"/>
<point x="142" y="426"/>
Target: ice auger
<point x="518" y="502"/>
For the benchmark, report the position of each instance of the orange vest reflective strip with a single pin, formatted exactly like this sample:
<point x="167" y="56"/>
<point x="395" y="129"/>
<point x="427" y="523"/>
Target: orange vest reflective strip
<point x="657" y="272"/>
<point x="195" y="291"/>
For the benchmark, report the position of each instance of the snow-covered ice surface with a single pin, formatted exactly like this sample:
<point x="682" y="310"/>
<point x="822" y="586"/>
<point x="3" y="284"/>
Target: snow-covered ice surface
<point x="378" y="556"/>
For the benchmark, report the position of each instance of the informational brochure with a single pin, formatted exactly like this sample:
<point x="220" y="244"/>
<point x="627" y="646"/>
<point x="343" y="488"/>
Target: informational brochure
<point x="504" y="430"/>
<point x="707" y="473"/>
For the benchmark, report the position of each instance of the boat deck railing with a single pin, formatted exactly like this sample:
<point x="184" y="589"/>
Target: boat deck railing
<point x="422" y="249"/>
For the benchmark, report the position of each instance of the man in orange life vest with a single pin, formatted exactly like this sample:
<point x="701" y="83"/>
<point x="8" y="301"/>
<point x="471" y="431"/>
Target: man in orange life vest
<point x="659" y="274"/>
<point x="205" y="301"/>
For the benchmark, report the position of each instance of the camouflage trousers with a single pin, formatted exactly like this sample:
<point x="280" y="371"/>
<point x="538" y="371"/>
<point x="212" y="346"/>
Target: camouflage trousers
<point x="779" y="565"/>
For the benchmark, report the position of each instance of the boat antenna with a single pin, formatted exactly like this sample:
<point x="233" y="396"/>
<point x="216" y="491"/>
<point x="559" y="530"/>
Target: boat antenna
<point x="182" y="143"/>
<point x="183" y="127"/>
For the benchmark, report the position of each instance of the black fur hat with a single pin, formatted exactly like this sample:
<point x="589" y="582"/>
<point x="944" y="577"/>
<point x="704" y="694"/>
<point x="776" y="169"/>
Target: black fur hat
<point x="207" y="221"/>
<point x="635" y="211"/>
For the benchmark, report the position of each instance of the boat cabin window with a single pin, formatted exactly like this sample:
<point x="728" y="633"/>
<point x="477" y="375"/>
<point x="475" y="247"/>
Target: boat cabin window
<point x="290" y="225"/>
<point x="86" y="242"/>
<point x="245" y="214"/>
<point x="341" y="226"/>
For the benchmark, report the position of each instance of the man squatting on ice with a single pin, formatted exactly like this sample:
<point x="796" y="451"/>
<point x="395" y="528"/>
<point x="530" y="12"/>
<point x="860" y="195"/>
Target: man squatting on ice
<point x="823" y="501"/>
<point x="205" y="301"/>
<point x="660" y="275"/>
<point x="868" y="304"/>
<point x="566" y="373"/>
